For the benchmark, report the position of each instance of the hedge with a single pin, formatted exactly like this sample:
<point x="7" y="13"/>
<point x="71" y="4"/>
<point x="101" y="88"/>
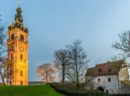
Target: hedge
<point x="69" y="91"/>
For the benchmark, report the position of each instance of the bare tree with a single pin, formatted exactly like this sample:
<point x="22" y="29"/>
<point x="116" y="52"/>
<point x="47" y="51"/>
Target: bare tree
<point x="2" y="53"/>
<point x="2" y="38"/>
<point x="61" y="60"/>
<point x="46" y="72"/>
<point x="3" y="69"/>
<point x="123" y="44"/>
<point x="77" y="63"/>
<point x="117" y="58"/>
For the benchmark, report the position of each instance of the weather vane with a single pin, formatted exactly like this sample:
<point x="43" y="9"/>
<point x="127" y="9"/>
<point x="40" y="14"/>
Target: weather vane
<point x="19" y="1"/>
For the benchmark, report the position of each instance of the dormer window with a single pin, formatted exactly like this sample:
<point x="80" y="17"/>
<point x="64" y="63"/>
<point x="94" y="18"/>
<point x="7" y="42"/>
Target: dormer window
<point x="100" y="70"/>
<point x="109" y="70"/>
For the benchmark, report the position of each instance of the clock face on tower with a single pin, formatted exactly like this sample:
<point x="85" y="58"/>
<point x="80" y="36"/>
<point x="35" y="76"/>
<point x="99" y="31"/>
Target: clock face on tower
<point x="21" y="49"/>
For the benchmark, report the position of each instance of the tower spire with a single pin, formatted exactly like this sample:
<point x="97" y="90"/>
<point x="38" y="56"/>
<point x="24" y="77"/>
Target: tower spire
<point x="18" y="20"/>
<point x="19" y="2"/>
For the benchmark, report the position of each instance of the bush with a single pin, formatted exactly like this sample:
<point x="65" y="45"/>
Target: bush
<point x="121" y="95"/>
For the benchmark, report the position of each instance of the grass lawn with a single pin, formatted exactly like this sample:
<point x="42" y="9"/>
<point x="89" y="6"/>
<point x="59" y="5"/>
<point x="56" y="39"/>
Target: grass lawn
<point x="36" y="90"/>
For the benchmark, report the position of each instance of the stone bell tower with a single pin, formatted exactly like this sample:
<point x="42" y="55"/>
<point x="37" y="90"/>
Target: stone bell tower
<point x="17" y="45"/>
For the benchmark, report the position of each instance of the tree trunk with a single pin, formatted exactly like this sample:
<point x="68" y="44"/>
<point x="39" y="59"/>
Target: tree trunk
<point x="63" y="74"/>
<point x="77" y="77"/>
<point x="2" y="77"/>
<point x="3" y="80"/>
<point x="46" y="78"/>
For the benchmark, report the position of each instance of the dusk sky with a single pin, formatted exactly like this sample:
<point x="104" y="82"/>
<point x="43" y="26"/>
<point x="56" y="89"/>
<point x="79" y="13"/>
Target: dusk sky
<point x="53" y="24"/>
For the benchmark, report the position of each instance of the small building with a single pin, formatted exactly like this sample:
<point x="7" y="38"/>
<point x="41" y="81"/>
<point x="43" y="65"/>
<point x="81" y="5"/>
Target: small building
<point x="107" y="77"/>
<point x="35" y="82"/>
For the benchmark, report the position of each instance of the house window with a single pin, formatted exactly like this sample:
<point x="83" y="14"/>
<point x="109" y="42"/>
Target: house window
<point x="10" y="82"/>
<point x="12" y="37"/>
<point x="109" y="79"/>
<point x="21" y="57"/>
<point x="98" y="80"/>
<point x="21" y="38"/>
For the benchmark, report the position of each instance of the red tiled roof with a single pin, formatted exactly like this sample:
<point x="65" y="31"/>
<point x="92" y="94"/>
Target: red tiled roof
<point x="109" y="68"/>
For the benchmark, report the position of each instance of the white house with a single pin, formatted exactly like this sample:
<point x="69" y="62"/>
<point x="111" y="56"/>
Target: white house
<point x="107" y="77"/>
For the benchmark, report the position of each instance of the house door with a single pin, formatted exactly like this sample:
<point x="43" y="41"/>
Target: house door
<point x="100" y="89"/>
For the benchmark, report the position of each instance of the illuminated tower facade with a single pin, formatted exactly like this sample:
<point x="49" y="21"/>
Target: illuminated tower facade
<point x="17" y="45"/>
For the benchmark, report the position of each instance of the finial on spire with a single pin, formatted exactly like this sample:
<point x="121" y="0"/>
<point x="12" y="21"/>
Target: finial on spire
<point x="19" y="1"/>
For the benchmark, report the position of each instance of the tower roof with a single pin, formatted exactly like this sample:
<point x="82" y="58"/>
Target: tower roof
<point x="18" y="23"/>
<point x="18" y="16"/>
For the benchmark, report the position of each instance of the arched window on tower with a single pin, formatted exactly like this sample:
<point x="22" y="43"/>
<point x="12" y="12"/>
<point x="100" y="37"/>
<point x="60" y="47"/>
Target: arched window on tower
<point x="11" y="57"/>
<point x="11" y="72"/>
<point x="21" y="57"/>
<point x="21" y="82"/>
<point x="21" y="73"/>
<point x="21" y="38"/>
<point x="12" y="37"/>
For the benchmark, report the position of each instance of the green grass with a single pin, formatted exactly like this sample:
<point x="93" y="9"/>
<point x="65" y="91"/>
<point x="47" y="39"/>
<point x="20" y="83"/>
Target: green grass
<point x="126" y="82"/>
<point x="37" y="90"/>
